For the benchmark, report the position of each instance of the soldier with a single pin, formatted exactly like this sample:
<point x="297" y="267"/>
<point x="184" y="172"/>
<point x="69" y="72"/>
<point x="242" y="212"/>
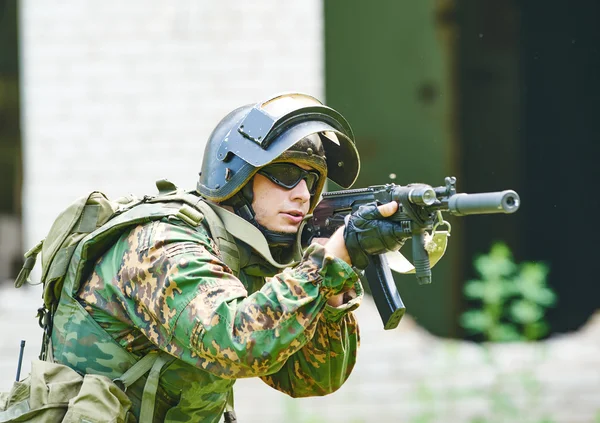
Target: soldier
<point x="257" y="306"/>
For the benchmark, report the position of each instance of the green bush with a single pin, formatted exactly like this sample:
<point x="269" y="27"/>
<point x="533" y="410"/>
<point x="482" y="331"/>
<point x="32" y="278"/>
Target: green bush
<point x="513" y="298"/>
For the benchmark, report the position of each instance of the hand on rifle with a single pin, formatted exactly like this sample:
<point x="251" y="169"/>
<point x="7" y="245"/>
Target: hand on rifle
<point x="367" y="232"/>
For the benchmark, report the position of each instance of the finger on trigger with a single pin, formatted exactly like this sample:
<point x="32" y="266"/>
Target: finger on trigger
<point x="388" y="209"/>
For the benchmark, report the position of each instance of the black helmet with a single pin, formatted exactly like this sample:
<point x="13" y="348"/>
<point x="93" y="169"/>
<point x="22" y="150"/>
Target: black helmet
<point x="255" y="135"/>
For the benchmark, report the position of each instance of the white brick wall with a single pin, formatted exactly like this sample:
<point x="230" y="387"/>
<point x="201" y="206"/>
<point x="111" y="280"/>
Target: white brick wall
<point x="117" y="94"/>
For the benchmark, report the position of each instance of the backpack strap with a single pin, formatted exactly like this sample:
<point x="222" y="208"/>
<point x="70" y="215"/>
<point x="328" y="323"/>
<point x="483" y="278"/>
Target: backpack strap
<point x="224" y="240"/>
<point x="229" y="414"/>
<point x="149" y="395"/>
<point x="30" y="259"/>
<point x="154" y="362"/>
<point x="194" y="210"/>
<point x="139" y="369"/>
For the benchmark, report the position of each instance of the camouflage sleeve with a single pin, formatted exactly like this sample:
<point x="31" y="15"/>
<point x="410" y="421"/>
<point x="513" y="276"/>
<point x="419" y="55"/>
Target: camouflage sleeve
<point x="325" y="362"/>
<point x="233" y="335"/>
<point x="181" y="296"/>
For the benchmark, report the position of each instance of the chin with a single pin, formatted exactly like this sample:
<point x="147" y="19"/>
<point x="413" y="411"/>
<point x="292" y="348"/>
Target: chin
<point x="287" y="230"/>
<point x="281" y="226"/>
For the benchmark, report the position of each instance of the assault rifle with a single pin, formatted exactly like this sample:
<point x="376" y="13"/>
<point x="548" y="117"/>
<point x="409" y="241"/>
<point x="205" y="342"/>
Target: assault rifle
<point x="420" y="208"/>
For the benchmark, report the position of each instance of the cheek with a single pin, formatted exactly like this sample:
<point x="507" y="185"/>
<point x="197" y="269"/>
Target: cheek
<point x="258" y="204"/>
<point x="263" y="195"/>
<point x="265" y="209"/>
<point x="268" y="202"/>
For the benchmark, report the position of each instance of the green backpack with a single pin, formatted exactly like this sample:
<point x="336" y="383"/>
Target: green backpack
<point x="56" y="393"/>
<point x="53" y="392"/>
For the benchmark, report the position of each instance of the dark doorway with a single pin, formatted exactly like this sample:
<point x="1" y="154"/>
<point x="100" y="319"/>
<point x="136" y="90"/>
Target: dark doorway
<point x="529" y="83"/>
<point x="561" y="140"/>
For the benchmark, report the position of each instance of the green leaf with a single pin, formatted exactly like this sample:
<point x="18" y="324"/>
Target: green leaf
<point x="536" y="330"/>
<point x="474" y="289"/>
<point x="522" y="311"/>
<point x="505" y="333"/>
<point x="531" y="284"/>
<point x="538" y="294"/>
<point x="495" y="291"/>
<point x="534" y="272"/>
<point x="475" y="321"/>
<point x="497" y="264"/>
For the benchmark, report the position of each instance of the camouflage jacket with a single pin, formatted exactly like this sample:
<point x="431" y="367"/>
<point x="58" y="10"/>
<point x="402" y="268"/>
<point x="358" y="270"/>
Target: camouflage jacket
<point x="164" y="286"/>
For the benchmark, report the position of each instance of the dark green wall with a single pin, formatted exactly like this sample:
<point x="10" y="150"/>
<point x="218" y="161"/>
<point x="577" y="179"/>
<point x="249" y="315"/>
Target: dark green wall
<point x="10" y="134"/>
<point x="386" y="71"/>
<point x="489" y="121"/>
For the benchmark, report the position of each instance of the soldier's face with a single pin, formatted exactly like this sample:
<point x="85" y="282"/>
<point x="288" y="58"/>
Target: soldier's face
<point x="277" y="208"/>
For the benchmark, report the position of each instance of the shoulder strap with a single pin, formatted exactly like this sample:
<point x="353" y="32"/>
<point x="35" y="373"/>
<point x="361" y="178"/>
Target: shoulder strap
<point x="222" y="237"/>
<point x="153" y="362"/>
<point x="194" y="210"/>
<point x="229" y="414"/>
<point x="149" y="395"/>
<point x="30" y="260"/>
<point x="141" y="213"/>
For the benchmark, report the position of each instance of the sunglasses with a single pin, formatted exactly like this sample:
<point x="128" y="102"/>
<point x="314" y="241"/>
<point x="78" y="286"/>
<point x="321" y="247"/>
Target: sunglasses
<point x="288" y="175"/>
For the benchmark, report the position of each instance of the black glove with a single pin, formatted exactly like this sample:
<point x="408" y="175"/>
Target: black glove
<point x="367" y="233"/>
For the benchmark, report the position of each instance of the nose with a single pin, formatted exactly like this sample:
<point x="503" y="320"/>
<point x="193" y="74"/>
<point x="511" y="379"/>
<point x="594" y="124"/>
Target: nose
<point x="300" y="192"/>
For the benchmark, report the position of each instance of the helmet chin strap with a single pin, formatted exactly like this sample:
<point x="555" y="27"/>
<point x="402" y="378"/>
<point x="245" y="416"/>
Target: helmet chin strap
<point x="242" y="206"/>
<point x="276" y="239"/>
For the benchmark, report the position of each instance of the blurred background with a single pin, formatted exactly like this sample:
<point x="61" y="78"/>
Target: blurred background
<point x="111" y="96"/>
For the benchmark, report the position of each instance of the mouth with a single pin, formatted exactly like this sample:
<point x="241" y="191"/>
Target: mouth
<point x="295" y="216"/>
<point x="295" y="213"/>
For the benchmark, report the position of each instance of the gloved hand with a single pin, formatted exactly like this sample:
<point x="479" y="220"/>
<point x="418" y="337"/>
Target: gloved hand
<point x="367" y="232"/>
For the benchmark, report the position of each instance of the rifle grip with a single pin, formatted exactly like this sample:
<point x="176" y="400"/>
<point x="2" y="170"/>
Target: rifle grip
<point x="420" y="258"/>
<point x="384" y="291"/>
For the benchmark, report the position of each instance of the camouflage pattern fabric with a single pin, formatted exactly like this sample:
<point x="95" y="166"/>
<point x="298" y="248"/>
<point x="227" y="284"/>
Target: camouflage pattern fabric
<point x="164" y="286"/>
